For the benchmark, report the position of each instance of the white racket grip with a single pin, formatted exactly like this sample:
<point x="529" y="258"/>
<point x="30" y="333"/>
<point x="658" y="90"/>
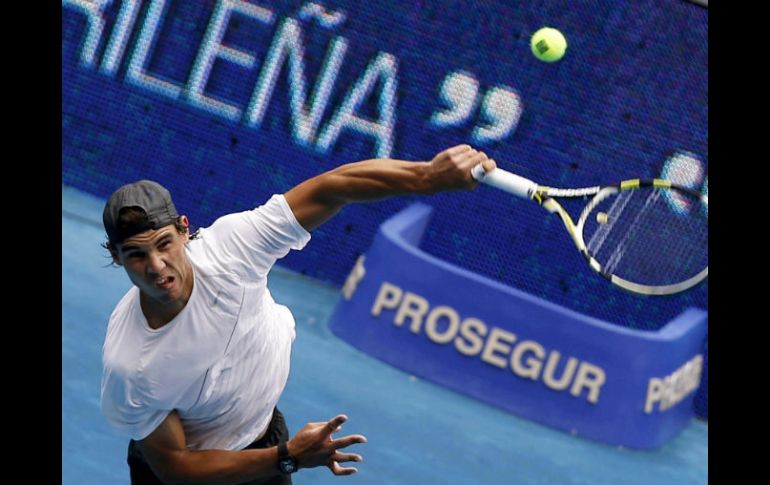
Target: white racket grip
<point x="506" y="181"/>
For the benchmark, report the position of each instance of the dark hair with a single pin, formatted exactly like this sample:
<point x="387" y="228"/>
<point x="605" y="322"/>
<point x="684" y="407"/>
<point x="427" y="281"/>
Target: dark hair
<point x="137" y="217"/>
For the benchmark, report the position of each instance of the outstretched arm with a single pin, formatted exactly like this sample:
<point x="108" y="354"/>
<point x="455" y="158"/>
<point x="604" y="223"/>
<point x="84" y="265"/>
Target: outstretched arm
<point x="166" y="452"/>
<point x="316" y="200"/>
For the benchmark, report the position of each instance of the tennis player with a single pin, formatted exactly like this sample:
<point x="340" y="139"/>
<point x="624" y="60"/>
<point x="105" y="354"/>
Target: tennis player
<point x="197" y="352"/>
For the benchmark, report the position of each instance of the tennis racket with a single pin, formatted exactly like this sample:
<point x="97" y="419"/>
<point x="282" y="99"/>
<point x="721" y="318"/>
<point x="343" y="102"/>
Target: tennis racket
<point x="649" y="237"/>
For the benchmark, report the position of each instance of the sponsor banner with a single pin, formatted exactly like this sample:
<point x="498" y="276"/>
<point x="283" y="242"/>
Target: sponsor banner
<point x="582" y="375"/>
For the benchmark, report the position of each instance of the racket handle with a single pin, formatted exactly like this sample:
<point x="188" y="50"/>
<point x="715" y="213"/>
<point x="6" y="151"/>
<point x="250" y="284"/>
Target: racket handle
<point x="506" y="181"/>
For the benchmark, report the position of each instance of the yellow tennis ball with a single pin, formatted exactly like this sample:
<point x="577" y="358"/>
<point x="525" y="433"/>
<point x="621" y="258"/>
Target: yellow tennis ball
<point x="548" y="44"/>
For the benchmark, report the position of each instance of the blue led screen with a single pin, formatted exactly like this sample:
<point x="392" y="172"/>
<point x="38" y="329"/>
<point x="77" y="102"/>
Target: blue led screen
<point x="227" y="102"/>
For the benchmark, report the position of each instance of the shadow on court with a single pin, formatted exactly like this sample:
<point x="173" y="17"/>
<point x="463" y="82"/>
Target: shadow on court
<point x="418" y="433"/>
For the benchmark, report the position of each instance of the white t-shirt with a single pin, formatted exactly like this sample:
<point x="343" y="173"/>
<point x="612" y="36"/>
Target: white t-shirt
<point x="223" y="361"/>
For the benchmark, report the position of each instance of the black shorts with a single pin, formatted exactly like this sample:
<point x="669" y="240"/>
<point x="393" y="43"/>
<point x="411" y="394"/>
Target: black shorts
<point x="141" y="473"/>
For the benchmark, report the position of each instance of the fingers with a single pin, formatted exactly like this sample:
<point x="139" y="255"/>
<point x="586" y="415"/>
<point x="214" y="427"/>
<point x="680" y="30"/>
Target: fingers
<point x="313" y="446"/>
<point x="465" y="156"/>
<point x="338" y="458"/>
<point x="475" y="159"/>
<point x="335" y="423"/>
<point x="456" y="150"/>
<point x="346" y="441"/>
<point x="343" y="457"/>
<point x="480" y="158"/>
<point x="340" y="470"/>
<point x="488" y="165"/>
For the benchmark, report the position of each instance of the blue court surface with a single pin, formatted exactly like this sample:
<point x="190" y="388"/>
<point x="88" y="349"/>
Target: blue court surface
<point x="419" y="433"/>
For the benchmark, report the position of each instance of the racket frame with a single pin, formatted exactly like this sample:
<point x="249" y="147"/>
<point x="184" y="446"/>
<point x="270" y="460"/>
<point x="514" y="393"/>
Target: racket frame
<point x="546" y="197"/>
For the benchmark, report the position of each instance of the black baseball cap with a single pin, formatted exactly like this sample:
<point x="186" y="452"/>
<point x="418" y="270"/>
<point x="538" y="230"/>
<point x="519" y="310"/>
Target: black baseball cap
<point x="147" y="195"/>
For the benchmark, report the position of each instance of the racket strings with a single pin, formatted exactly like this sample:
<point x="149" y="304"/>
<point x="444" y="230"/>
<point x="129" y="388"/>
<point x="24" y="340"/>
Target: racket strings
<point x="637" y="226"/>
<point x="603" y="230"/>
<point x="649" y="237"/>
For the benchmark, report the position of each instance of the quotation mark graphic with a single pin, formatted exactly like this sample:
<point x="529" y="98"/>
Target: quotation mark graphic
<point x="685" y="169"/>
<point x="501" y="107"/>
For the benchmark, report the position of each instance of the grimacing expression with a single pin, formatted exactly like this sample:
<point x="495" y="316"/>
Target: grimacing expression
<point x="157" y="264"/>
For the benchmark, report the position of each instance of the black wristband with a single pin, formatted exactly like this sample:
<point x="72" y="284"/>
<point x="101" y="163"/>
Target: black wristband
<point x="286" y="463"/>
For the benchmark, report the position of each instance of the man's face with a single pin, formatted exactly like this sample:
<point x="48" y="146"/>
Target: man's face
<point x="156" y="262"/>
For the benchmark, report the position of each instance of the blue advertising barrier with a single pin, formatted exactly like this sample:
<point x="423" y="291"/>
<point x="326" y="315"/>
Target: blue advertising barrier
<point x="510" y="349"/>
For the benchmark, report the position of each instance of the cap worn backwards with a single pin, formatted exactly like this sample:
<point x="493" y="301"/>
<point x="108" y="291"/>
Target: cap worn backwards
<point x="147" y="195"/>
